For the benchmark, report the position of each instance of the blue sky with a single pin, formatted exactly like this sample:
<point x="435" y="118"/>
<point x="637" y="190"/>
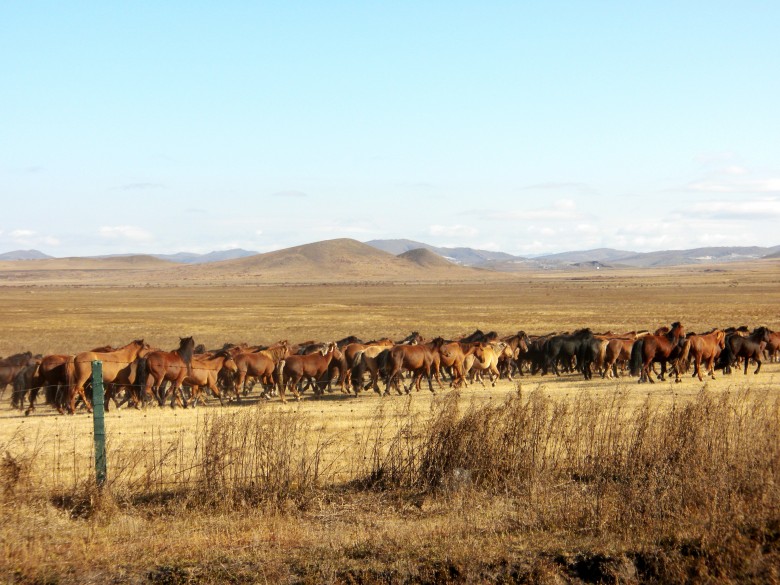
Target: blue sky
<point x="518" y="126"/>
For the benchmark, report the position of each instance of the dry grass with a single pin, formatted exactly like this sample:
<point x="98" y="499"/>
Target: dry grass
<point x="562" y="481"/>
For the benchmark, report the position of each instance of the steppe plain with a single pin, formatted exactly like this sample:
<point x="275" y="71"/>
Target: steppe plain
<point x="57" y="528"/>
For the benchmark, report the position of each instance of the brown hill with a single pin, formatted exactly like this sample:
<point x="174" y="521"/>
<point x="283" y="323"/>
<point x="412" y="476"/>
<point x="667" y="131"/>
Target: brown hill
<point x="135" y="262"/>
<point x="331" y="261"/>
<point x="426" y="258"/>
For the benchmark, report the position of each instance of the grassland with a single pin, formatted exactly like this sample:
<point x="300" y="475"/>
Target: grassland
<point x="562" y="481"/>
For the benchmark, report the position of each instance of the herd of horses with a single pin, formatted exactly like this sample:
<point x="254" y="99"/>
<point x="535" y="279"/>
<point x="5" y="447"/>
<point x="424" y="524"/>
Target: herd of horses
<point x="140" y="374"/>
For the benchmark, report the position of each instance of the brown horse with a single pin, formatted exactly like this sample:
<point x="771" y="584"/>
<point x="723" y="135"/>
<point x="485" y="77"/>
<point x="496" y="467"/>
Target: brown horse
<point x="52" y="377"/>
<point x="311" y="367"/>
<point x="205" y="371"/>
<point x="661" y="347"/>
<point x="706" y="347"/>
<point x="364" y="359"/>
<point x="10" y="367"/>
<point x="113" y="363"/>
<point x="173" y="366"/>
<point x="418" y="359"/>
<point x="264" y="365"/>
<point x="453" y="355"/>
<point x="618" y="350"/>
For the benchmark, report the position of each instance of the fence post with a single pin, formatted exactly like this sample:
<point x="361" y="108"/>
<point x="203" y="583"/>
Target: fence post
<point x="99" y="423"/>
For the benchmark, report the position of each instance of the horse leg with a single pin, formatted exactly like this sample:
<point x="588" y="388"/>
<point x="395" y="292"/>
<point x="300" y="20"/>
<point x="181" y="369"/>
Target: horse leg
<point x="758" y="359"/>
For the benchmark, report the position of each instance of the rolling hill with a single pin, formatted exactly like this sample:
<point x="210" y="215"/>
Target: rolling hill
<point x="460" y="255"/>
<point x="331" y="261"/>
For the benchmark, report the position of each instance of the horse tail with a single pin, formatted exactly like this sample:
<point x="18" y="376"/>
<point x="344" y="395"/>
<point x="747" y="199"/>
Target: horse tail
<point x="280" y="376"/>
<point x="358" y="368"/>
<point x="636" y="356"/>
<point x="727" y="357"/>
<point x="139" y="383"/>
<point x="682" y="361"/>
<point x="70" y="382"/>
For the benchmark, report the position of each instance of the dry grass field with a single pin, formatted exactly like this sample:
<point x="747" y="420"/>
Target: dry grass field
<point x="552" y="480"/>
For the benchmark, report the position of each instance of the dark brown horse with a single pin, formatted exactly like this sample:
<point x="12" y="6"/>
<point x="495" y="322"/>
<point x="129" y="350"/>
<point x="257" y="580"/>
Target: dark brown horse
<point x="172" y="366"/>
<point x="747" y="348"/>
<point x="707" y="348"/>
<point x="661" y="347"/>
<point x="10" y="367"/>
<point x="52" y="377"/>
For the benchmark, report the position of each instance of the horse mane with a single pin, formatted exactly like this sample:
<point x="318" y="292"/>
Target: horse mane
<point x="186" y="349"/>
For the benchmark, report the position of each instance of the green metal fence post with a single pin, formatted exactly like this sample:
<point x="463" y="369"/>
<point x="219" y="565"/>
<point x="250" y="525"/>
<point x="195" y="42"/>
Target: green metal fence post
<point x="99" y="422"/>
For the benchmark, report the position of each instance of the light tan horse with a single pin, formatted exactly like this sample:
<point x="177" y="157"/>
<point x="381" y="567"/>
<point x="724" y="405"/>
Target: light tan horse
<point x="114" y="362"/>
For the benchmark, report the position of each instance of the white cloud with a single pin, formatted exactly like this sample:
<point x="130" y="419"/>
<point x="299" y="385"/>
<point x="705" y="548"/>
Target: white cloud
<point x="458" y="230"/>
<point x="728" y="184"/>
<point x="20" y="234"/>
<point x="125" y="232"/>
<point x="751" y="208"/>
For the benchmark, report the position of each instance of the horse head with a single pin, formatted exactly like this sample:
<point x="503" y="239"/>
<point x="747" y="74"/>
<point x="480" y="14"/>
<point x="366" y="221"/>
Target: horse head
<point x="186" y="348"/>
<point x="762" y="334"/>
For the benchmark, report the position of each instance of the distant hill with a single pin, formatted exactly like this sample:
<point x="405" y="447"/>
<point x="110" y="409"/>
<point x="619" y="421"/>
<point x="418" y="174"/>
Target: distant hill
<point x="216" y="256"/>
<point x="426" y="258"/>
<point x="596" y="255"/>
<point x="133" y="262"/>
<point x="331" y="261"/>
<point x="464" y="256"/>
<point x="24" y="255"/>
<point x="710" y="255"/>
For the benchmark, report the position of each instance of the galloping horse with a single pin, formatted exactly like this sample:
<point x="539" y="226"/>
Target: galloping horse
<point x="173" y="366"/>
<point x="661" y="347"/>
<point x="113" y="363"/>
<point x="706" y="347"/>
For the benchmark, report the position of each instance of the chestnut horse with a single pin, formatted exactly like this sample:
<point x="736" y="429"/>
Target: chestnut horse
<point x="311" y="366"/>
<point x="656" y="348"/>
<point x="416" y="358"/>
<point x="205" y="370"/>
<point x="114" y="362"/>
<point x="706" y="347"/>
<point x="264" y="365"/>
<point x="173" y="366"/>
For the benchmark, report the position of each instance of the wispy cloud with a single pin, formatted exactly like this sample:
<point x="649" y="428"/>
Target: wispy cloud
<point x="463" y="231"/>
<point x="744" y="209"/>
<point x="28" y="237"/>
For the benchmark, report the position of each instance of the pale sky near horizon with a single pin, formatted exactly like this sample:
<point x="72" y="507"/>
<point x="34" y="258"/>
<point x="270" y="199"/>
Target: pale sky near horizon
<point x="526" y="127"/>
